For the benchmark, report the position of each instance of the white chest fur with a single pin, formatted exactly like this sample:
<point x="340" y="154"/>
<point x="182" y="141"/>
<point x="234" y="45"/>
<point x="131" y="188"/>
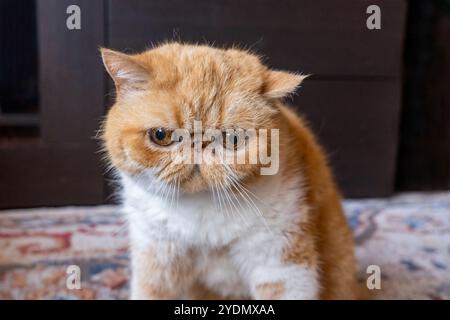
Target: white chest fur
<point x="207" y="224"/>
<point x="209" y="220"/>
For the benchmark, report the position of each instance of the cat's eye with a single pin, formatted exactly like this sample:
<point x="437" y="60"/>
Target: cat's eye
<point x="161" y="136"/>
<point x="233" y="139"/>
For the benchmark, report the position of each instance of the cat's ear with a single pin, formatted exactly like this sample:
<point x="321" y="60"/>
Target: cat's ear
<point x="279" y="84"/>
<point x="126" y="72"/>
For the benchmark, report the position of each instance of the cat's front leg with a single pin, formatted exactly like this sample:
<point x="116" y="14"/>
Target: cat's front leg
<point x="289" y="274"/>
<point x="285" y="282"/>
<point x="160" y="272"/>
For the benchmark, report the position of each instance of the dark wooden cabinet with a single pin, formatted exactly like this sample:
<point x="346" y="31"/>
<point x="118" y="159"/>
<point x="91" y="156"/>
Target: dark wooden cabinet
<point x="60" y="165"/>
<point x="352" y="101"/>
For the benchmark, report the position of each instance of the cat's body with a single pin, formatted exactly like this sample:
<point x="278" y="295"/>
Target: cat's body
<point x="281" y="236"/>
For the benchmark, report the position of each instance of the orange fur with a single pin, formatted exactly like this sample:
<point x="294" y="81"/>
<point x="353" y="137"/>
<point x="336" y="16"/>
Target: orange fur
<point x="327" y="239"/>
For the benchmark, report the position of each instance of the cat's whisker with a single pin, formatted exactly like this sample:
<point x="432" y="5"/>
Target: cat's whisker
<point x="236" y="198"/>
<point x="239" y="187"/>
<point x="213" y="195"/>
<point x="244" y="187"/>
<point x="224" y="200"/>
<point x="218" y="198"/>
<point x="246" y="197"/>
<point x="172" y="188"/>
<point x="231" y="203"/>
<point x="240" y="205"/>
<point x="178" y="192"/>
<point x="167" y="194"/>
<point x="175" y="192"/>
<point x="162" y="168"/>
<point x="161" y="189"/>
<point x="227" y="169"/>
<point x="232" y="178"/>
<point x="141" y="180"/>
<point x="253" y="208"/>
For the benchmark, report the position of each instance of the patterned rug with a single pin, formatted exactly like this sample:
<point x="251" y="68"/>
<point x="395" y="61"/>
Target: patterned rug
<point x="407" y="237"/>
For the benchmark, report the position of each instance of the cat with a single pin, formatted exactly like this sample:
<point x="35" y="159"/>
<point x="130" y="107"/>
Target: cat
<point x="222" y="230"/>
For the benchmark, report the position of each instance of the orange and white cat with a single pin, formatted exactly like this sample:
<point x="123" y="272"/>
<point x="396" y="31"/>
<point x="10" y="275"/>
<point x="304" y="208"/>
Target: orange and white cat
<point x="222" y="229"/>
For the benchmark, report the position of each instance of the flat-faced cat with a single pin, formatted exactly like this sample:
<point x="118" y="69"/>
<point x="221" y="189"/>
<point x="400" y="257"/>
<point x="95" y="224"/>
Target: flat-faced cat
<point x="221" y="228"/>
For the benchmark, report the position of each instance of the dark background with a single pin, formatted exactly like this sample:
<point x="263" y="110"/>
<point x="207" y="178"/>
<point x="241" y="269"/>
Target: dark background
<point x="378" y="99"/>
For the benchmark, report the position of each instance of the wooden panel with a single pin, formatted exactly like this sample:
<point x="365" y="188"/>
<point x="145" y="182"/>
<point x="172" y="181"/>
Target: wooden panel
<point x="49" y="176"/>
<point x="71" y="72"/>
<point x="319" y="37"/>
<point x="424" y="153"/>
<point x="18" y="72"/>
<point x="61" y="167"/>
<point x="357" y="122"/>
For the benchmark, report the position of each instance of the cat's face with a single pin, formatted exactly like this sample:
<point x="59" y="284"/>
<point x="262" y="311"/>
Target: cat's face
<point x="193" y="88"/>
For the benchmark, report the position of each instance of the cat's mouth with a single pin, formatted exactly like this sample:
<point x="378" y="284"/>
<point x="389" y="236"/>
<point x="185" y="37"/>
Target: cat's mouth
<point x="195" y="181"/>
<point x="198" y="178"/>
<point x="196" y="170"/>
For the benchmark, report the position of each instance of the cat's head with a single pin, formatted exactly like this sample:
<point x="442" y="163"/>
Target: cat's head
<point x="177" y="86"/>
